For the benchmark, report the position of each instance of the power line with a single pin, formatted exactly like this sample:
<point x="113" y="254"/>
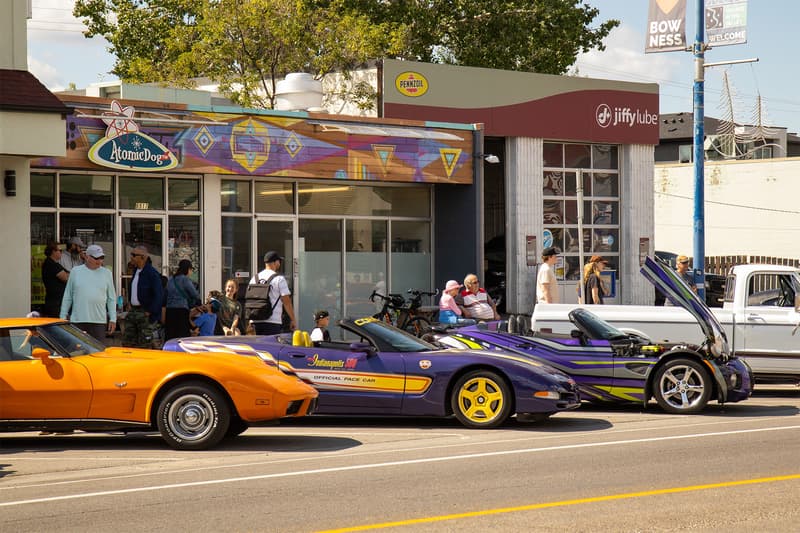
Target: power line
<point x="728" y="204"/>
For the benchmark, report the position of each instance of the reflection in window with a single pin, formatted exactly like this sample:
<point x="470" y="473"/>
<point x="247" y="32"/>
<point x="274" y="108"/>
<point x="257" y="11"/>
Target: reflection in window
<point x="141" y="193"/>
<point x="554" y="183"/>
<point x="577" y="156"/>
<point x="43" y="230"/>
<point x="411" y="256"/>
<point x="184" y="194"/>
<point x="365" y="241"/>
<point x="43" y="190"/>
<point x="86" y="190"/>
<point x="605" y="185"/>
<point x="236" y="241"/>
<point x="336" y="198"/>
<point x="601" y="216"/>
<point x="320" y="261"/>
<point x="277" y="198"/>
<point x="235" y="196"/>
<point x="184" y="243"/>
<point x="92" y="229"/>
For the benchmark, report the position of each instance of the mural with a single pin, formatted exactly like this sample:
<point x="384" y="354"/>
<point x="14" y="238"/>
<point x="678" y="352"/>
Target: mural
<point x="266" y="144"/>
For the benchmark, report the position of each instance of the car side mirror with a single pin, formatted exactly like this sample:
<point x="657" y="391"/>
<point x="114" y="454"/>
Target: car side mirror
<point x="363" y="347"/>
<point x="41" y="353"/>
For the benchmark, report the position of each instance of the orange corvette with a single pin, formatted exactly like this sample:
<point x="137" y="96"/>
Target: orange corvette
<point x="54" y="377"/>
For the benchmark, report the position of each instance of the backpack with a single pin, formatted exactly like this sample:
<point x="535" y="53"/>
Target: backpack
<point x="257" y="303"/>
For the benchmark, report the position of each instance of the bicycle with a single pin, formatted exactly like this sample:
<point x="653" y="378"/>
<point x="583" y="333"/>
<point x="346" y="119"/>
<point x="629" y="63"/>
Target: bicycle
<point x="404" y="315"/>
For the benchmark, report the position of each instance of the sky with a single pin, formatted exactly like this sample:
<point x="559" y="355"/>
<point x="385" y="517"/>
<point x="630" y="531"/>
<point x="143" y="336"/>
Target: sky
<point x="59" y="54"/>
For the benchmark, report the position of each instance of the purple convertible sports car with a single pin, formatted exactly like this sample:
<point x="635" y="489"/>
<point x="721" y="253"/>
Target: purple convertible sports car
<point x="384" y="371"/>
<point x="612" y="366"/>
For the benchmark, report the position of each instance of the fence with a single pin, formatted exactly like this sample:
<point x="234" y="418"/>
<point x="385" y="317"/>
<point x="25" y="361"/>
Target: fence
<point x="720" y="264"/>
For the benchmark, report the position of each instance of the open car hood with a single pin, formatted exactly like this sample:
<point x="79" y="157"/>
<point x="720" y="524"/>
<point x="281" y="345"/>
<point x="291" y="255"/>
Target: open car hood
<point x="679" y="293"/>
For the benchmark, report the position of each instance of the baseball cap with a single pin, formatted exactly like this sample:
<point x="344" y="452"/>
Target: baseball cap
<point x="78" y="241"/>
<point x="94" y="250"/>
<point x="682" y="259"/>
<point x="271" y="256"/>
<point x="550" y="251"/>
<point x="320" y="314"/>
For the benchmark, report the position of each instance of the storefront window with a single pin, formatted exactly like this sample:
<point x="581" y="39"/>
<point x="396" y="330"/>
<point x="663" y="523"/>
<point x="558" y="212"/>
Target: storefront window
<point x="141" y="193"/>
<point x="43" y="190"/>
<point x="235" y="196"/>
<point x="184" y="243"/>
<point x="184" y="194"/>
<point x="87" y="191"/>
<point x="338" y="199"/>
<point x="600" y="190"/>
<point x="92" y="229"/>
<point x="274" y="198"/>
<point x="365" y="242"/>
<point x="320" y="256"/>
<point x="43" y="230"/>
<point x="237" y="237"/>
<point x="411" y="256"/>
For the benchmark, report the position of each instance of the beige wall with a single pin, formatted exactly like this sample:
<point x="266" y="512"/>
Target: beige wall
<point x="13" y="34"/>
<point x="15" y="236"/>
<point x="751" y="208"/>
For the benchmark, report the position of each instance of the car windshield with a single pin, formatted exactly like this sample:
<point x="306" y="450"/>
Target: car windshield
<point x="392" y="339"/>
<point x="594" y="326"/>
<point x="70" y="339"/>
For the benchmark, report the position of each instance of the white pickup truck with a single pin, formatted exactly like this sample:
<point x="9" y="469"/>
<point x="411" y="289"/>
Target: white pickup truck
<point x="760" y="315"/>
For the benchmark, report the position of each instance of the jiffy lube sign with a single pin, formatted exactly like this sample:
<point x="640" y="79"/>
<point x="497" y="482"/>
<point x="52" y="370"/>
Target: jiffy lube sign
<point x="124" y="147"/>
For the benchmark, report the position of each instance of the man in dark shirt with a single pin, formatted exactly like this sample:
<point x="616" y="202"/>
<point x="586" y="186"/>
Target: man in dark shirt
<point x="146" y="295"/>
<point x="54" y="277"/>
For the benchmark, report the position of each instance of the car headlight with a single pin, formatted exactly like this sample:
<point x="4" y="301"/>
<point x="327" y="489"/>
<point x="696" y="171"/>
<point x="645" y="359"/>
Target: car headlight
<point x="733" y="380"/>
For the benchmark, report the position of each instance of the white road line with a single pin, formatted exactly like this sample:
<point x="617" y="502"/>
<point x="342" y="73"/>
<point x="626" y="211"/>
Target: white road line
<point x="344" y="433"/>
<point x="384" y="465"/>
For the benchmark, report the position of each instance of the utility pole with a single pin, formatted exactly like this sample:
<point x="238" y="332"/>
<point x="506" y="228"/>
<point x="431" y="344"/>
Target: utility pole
<point x="699" y="153"/>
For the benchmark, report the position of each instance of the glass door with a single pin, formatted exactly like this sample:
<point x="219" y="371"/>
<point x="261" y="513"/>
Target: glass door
<point x="320" y="260"/>
<point x="277" y="235"/>
<point x="135" y="231"/>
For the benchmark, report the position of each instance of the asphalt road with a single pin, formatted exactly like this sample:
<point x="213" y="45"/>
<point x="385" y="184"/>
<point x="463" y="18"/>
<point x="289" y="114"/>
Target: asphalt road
<point x="734" y="468"/>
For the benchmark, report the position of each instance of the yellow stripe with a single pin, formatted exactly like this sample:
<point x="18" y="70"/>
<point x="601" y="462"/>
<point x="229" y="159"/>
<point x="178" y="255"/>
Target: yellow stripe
<point x="580" y="501"/>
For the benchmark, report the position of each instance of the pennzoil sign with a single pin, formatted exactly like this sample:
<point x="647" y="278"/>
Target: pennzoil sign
<point x="411" y="84"/>
<point x="126" y="148"/>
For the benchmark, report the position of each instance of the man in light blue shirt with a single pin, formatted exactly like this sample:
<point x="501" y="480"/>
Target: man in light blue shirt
<point x="90" y="301"/>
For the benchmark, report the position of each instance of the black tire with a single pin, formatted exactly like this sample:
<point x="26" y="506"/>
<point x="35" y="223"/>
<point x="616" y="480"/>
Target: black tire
<point x="682" y="386"/>
<point x="236" y="428"/>
<point x="481" y="399"/>
<point x="418" y="326"/>
<point x="193" y="416"/>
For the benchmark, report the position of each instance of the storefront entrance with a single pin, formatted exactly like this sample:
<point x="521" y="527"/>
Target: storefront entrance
<point x="135" y="231"/>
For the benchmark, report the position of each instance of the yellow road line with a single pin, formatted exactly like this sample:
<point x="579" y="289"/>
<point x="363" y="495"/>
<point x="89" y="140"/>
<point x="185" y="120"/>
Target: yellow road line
<point x="580" y="501"/>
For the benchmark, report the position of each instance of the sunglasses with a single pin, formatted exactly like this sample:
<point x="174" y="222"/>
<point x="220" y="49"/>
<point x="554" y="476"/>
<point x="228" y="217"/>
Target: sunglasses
<point x="136" y="255"/>
<point x="98" y="258"/>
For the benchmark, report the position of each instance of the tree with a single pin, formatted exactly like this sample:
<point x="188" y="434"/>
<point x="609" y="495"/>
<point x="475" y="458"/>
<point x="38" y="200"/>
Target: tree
<point x="247" y="45"/>
<point x="529" y="35"/>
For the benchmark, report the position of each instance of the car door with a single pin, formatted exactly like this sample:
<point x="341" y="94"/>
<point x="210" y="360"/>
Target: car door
<point x="32" y="389"/>
<point x="768" y="324"/>
<point x="350" y="381"/>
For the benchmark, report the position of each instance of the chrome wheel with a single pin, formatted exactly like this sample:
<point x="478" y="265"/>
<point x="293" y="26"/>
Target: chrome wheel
<point x="682" y="386"/>
<point x="193" y="417"/>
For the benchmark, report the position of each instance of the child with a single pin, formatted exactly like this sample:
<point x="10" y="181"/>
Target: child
<point x="320" y="332"/>
<point x="203" y="318"/>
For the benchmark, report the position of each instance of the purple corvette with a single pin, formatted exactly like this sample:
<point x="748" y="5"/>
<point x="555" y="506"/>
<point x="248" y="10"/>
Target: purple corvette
<point x="612" y="366"/>
<point x="384" y="371"/>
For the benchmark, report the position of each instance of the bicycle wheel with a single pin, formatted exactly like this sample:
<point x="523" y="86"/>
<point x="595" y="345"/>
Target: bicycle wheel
<point x="418" y="326"/>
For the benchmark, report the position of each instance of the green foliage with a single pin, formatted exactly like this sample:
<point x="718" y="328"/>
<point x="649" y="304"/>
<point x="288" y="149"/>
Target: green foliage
<point x="529" y="35"/>
<point x="246" y="46"/>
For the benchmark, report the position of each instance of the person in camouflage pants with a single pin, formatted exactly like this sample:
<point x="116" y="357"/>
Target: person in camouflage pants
<point x="142" y="325"/>
<point x="140" y="332"/>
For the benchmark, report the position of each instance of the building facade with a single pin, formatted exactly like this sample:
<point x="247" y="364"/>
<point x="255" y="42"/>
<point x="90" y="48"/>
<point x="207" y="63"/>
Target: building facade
<point x="349" y="204"/>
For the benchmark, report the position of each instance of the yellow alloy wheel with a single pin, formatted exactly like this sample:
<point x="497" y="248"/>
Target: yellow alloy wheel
<point x="481" y="399"/>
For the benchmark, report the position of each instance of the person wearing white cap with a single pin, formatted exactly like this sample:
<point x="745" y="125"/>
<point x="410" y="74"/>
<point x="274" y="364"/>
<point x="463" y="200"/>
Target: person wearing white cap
<point x="74" y="255"/>
<point x="90" y="301"/>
